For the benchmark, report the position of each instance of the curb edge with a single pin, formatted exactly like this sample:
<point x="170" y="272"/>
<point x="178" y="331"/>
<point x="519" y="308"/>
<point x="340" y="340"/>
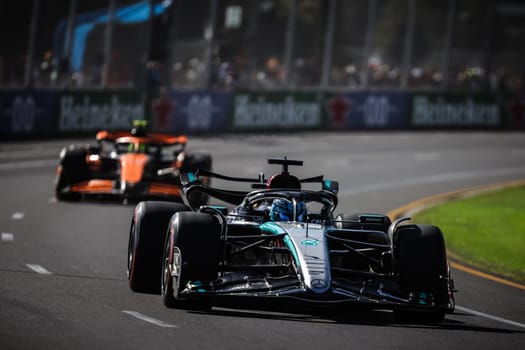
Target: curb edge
<point x="427" y="202"/>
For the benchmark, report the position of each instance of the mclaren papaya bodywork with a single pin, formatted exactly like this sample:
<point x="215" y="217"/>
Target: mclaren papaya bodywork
<point x="124" y="166"/>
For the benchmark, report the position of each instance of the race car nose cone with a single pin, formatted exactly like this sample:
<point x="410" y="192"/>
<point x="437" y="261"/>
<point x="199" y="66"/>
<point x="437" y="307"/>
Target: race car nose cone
<point x="318" y="284"/>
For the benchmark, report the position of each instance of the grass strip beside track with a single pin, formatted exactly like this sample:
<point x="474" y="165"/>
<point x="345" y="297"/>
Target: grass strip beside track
<point x="486" y="231"/>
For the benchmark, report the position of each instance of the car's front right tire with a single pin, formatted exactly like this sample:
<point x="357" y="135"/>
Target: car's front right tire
<point x="422" y="268"/>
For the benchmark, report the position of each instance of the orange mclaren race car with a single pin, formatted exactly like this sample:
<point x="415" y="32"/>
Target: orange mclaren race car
<point x="126" y="165"/>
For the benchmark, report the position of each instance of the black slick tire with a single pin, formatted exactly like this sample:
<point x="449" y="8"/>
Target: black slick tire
<point x="194" y="239"/>
<point x="421" y="264"/>
<point x="146" y="243"/>
<point x="73" y="170"/>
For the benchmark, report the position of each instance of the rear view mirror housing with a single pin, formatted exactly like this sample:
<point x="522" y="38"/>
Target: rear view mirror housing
<point x="331" y="186"/>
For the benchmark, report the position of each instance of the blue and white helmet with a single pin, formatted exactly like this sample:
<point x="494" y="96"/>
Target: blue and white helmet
<point x="282" y="210"/>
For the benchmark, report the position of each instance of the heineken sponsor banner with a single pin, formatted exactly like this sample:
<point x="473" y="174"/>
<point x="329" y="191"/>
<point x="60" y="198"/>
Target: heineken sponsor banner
<point x="88" y="111"/>
<point x="276" y="110"/>
<point x="27" y="113"/>
<point x="455" y="111"/>
<point x="364" y="110"/>
<point x="191" y="111"/>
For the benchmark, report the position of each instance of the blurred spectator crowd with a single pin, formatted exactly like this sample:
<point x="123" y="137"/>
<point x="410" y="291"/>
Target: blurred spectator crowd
<point x="249" y="53"/>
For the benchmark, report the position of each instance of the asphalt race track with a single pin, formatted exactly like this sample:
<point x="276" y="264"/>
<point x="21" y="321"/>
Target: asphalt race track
<point x="63" y="278"/>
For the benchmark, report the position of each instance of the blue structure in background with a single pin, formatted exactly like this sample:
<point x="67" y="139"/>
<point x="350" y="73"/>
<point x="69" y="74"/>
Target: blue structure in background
<point x="85" y="22"/>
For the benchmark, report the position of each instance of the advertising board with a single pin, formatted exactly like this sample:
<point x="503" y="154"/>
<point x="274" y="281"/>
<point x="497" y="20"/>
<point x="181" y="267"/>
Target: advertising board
<point x="27" y="113"/>
<point x="275" y="110"/>
<point x="191" y="111"/>
<point x="455" y="111"/>
<point x="90" y="111"/>
<point x="365" y="110"/>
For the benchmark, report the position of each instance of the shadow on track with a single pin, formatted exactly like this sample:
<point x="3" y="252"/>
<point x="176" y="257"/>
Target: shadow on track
<point x="379" y="318"/>
<point x="100" y="278"/>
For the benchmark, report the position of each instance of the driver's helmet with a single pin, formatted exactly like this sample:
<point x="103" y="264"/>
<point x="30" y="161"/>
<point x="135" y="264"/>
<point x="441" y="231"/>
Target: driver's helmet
<point x="139" y="128"/>
<point x="282" y="210"/>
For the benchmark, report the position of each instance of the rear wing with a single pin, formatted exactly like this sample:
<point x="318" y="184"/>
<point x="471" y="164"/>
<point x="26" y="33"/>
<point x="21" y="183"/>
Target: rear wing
<point x="260" y="182"/>
<point x="193" y="182"/>
<point x="159" y="139"/>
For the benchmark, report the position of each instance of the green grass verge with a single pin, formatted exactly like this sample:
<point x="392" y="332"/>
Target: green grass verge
<point x="486" y="231"/>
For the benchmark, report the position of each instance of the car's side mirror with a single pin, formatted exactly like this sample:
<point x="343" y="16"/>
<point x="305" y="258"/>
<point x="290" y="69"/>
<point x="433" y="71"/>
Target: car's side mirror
<point x="332" y="186"/>
<point x="187" y="178"/>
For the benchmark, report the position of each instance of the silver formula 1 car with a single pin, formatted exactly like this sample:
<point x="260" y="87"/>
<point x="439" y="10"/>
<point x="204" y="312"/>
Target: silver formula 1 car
<point x="282" y="245"/>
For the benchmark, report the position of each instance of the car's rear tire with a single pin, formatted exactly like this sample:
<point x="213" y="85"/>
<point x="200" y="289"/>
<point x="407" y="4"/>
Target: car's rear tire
<point x="146" y="243"/>
<point x="421" y="263"/>
<point x="195" y="240"/>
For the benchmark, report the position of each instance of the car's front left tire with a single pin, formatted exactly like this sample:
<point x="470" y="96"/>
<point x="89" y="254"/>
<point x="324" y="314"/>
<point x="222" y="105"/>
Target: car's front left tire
<point x="146" y="244"/>
<point x="191" y="253"/>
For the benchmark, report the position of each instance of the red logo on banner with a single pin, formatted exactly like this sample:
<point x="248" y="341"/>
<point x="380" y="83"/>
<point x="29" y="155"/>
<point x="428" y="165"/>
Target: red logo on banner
<point x="162" y="108"/>
<point x="516" y="110"/>
<point x="339" y="107"/>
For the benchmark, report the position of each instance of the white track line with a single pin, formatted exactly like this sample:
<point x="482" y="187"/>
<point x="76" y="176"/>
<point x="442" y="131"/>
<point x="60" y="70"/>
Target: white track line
<point x="7" y="237"/>
<point x="27" y="164"/>
<point x="149" y="319"/>
<point x="39" y="269"/>
<point x="491" y="317"/>
<point x="426" y="156"/>
<point x="18" y="216"/>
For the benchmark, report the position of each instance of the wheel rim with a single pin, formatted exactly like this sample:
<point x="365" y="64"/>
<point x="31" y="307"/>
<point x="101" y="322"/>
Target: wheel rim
<point x="165" y="269"/>
<point x="131" y="248"/>
<point x="171" y="277"/>
<point x="177" y="266"/>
